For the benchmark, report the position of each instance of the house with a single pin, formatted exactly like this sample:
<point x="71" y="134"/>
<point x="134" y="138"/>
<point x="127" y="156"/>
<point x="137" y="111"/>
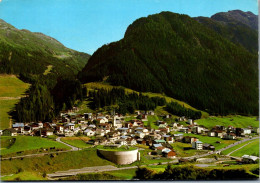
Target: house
<point x="184" y="130"/>
<point x="211" y="134"/>
<point x="188" y="139"/>
<point x="208" y="147"/>
<point x="27" y="130"/>
<point x="190" y="121"/>
<point x="229" y="136"/>
<point x="70" y="126"/>
<point x="102" y="119"/>
<point x="117" y="123"/>
<point x="154" y="146"/>
<point x="168" y="138"/>
<point x="131" y="141"/>
<point x="249" y="159"/>
<point x="18" y="126"/>
<point x="168" y="153"/>
<point x="178" y="137"/>
<point x="100" y="132"/>
<point x="219" y="133"/>
<point x="47" y="131"/>
<point x="89" y="132"/>
<point x="140" y="134"/>
<point x="123" y="130"/>
<point x="88" y="116"/>
<point x="197" y="145"/>
<point x="9" y="132"/>
<point x="246" y="131"/>
<point x="121" y="142"/>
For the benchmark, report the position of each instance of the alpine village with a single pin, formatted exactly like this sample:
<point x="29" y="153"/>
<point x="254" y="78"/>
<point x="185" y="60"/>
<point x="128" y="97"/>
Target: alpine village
<point x="175" y="99"/>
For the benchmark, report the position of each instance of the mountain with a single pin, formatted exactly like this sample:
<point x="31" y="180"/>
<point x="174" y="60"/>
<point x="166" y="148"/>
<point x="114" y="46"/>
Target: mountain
<point x="247" y="18"/>
<point x="237" y="26"/>
<point x="28" y="53"/>
<point x="176" y="55"/>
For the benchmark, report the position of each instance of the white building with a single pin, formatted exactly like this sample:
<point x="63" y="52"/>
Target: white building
<point x="197" y="145"/>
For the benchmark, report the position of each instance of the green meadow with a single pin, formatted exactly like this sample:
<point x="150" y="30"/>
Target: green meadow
<point x="250" y="149"/>
<point x="236" y="121"/>
<point x="79" y="142"/>
<point x="53" y="163"/>
<point x="11" y="89"/>
<point x="27" y="143"/>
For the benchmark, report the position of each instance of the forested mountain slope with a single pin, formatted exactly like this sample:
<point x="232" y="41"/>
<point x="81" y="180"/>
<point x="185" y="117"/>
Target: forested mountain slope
<point x="237" y="26"/>
<point x="27" y="53"/>
<point x="176" y="55"/>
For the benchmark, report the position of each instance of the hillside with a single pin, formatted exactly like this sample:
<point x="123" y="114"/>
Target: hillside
<point x="11" y="89"/>
<point x="176" y="55"/>
<point x="27" y="53"/>
<point x="237" y="26"/>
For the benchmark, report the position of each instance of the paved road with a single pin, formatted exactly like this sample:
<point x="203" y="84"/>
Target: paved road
<point x="72" y="147"/>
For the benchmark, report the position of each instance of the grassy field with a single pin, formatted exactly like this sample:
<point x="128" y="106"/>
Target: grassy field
<point x="127" y="174"/>
<point x="94" y="85"/>
<point x="23" y="176"/>
<point x="250" y="149"/>
<point x="53" y="163"/>
<point x="28" y="143"/>
<point x="225" y="152"/>
<point x="5" y="107"/>
<point x="79" y="142"/>
<point x="212" y="140"/>
<point x="11" y="86"/>
<point x="11" y="89"/>
<point x="236" y="121"/>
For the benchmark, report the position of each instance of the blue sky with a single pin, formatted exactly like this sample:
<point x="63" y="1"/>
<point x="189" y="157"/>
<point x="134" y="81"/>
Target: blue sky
<point x="86" y="25"/>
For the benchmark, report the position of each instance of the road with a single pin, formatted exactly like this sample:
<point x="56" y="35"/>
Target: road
<point x="72" y="147"/>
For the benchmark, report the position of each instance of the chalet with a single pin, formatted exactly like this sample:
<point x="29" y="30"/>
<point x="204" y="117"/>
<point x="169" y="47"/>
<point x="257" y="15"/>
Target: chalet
<point x="229" y="136"/>
<point x="169" y="153"/>
<point x="131" y="141"/>
<point x="59" y="129"/>
<point x="178" y="137"/>
<point x="141" y="141"/>
<point x="184" y="130"/>
<point x="18" y="126"/>
<point x="246" y="131"/>
<point x="211" y="134"/>
<point x="154" y="146"/>
<point x="70" y="126"/>
<point x="219" y="133"/>
<point x="208" y="147"/>
<point x="27" y="130"/>
<point x="47" y="131"/>
<point x="168" y="138"/>
<point x="123" y="131"/>
<point x="198" y="145"/>
<point x="100" y="132"/>
<point x="188" y="139"/>
<point x="121" y="142"/>
<point x="88" y="132"/>
<point x="9" y="132"/>
<point x="102" y="119"/>
<point x="88" y="116"/>
<point x="139" y="134"/>
<point x="35" y="126"/>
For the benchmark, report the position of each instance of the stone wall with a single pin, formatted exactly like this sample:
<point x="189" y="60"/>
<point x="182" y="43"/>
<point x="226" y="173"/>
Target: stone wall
<point x="120" y="157"/>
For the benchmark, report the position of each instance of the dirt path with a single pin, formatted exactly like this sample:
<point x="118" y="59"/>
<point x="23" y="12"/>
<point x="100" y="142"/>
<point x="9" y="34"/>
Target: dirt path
<point x="10" y="98"/>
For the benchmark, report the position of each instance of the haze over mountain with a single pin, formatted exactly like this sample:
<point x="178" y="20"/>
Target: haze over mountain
<point x="28" y="53"/>
<point x="176" y="55"/>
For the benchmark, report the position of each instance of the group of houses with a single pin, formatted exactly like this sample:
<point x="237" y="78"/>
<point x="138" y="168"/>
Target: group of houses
<point x="113" y="129"/>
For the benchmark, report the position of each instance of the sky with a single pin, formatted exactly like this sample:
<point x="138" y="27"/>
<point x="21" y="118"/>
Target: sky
<point x="86" y="25"/>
